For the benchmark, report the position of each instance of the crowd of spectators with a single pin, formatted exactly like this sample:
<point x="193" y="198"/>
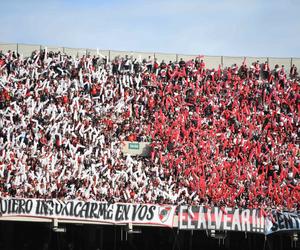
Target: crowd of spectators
<point x="219" y="137"/>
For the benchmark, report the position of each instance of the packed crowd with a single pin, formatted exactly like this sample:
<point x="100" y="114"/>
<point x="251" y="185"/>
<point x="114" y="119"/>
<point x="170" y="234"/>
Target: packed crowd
<point x="219" y="137"/>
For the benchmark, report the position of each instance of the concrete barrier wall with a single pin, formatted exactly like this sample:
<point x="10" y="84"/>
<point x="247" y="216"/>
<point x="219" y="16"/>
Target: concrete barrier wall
<point x="166" y="57"/>
<point x="228" y="61"/>
<point x="53" y="48"/>
<point x="280" y="61"/>
<point x="142" y="55"/>
<point x="75" y="52"/>
<point x="26" y="50"/>
<point x="185" y="57"/>
<point x="210" y="61"/>
<point x="118" y="53"/>
<point x="71" y="52"/>
<point x="8" y="46"/>
<point x="250" y="60"/>
<point x="95" y="52"/>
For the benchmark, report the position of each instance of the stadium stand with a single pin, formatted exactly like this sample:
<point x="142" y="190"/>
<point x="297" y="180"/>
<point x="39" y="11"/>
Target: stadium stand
<point x="219" y="137"/>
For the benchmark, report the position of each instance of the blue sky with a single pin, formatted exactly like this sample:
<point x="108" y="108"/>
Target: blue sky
<point x="210" y="27"/>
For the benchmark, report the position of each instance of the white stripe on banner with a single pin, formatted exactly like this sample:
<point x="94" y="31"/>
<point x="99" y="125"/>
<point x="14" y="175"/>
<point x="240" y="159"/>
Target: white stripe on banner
<point x="215" y="218"/>
<point x="91" y="210"/>
<point x="283" y="222"/>
<point x="231" y="219"/>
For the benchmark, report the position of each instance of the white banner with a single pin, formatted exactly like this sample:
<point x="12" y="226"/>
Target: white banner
<point x="93" y="211"/>
<point x="282" y="222"/>
<point x="231" y="219"/>
<point x="228" y="219"/>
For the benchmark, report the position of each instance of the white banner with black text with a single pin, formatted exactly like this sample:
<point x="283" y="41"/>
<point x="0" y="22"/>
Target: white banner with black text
<point x="283" y="221"/>
<point x="234" y="219"/>
<point x="89" y="210"/>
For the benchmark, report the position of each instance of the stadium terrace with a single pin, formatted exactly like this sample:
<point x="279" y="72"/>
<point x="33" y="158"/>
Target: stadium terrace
<point x="225" y="137"/>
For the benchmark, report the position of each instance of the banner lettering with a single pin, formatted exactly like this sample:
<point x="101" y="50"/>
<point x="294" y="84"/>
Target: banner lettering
<point x="228" y="219"/>
<point x="92" y="210"/>
<point x="283" y="222"/>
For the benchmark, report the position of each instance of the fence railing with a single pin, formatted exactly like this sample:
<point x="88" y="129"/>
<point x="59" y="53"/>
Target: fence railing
<point x="210" y="61"/>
